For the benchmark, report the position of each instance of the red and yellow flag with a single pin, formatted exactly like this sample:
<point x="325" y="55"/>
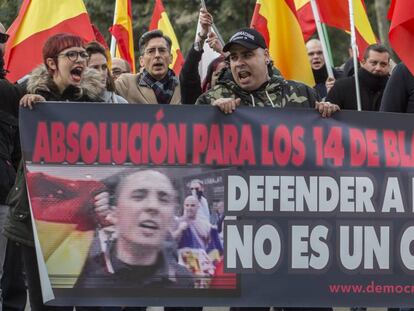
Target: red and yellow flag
<point x="336" y="14"/>
<point x="401" y="33"/>
<point x="277" y="22"/>
<point x="36" y="22"/>
<point x="122" y="31"/>
<point x="161" y="21"/>
<point x="305" y="18"/>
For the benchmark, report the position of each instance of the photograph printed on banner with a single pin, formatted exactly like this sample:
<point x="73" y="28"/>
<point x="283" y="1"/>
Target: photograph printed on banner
<point x="118" y="227"/>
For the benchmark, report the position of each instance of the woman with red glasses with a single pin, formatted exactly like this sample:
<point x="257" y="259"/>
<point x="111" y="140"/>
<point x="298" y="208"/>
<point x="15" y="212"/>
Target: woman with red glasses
<point x="64" y="76"/>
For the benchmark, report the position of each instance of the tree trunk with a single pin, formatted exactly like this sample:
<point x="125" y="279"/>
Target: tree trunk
<point x="381" y="9"/>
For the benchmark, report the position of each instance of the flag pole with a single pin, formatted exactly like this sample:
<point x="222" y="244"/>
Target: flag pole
<point x="322" y="38"/>
<point x="354" y="52"/>
<point x="113" y="40"/>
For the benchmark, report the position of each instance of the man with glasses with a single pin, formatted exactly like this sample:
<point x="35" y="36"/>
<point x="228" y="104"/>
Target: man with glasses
<point x="157" y="84"/>
<point x="119" y="66"/>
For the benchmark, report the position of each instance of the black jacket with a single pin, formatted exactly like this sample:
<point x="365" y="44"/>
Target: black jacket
<point x="103" y="272"/>
<point x="190" y="81"/>
<point x="321" y="75"/>
<point x="10" y="95"/>
<point x="399" y="92"/>
<point x="19" y="226"/>
<point x="343" y="93"/>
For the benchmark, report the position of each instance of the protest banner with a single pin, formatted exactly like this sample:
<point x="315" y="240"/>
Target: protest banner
<point x="317" y="212"/>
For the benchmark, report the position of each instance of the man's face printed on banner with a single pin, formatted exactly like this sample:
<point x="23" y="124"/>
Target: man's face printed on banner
<point x="145" y="209"/>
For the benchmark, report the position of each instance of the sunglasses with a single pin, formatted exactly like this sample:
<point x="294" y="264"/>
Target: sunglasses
<point x="3" y="37"/>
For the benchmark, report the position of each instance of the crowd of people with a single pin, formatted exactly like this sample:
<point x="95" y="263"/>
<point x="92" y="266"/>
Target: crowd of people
<point x="243" y="75"/>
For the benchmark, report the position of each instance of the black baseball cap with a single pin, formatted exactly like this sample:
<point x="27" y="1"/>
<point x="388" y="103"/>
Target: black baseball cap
<point x="247" y="37"/>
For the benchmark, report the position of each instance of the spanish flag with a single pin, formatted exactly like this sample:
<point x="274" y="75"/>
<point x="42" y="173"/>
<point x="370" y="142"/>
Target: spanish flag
<point x="36" y="22"/>
<point x="161" y="21"/>
<point x="401" y="33"/>
<point x="277" y="22"/>
<point x="122" y="32"/>
<point x="336" y="14"/>
<point x="65" y="226"/>
<point x="305" y="18"/>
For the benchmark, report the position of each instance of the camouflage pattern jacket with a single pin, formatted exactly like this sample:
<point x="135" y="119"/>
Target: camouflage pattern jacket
<point x="278" y="93"/>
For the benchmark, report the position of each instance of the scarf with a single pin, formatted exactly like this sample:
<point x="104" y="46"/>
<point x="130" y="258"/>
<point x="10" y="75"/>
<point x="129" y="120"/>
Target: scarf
<point x="163" y="89"/>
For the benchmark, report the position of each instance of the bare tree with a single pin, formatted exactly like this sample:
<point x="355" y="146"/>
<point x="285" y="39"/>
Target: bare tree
<point x="381" y="9"/>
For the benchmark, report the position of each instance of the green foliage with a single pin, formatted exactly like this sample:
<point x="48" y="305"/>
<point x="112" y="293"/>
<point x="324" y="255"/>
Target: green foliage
<point x="229" y="15"/>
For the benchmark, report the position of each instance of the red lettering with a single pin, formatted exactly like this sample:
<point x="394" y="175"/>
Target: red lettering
<point x="392" y="158"/>
<point x="318" y="139"/>
<point x="104" y="151"/>
<point x="214" y="151"/>
<point x="200" y="140"/>
<point x="246" y="152"/>
<point x="72" y="141"/>
<point x="230" y="141"/>
<point x="158" y="143"/>
<point x="177" y="144"/>
<point x="134" y="152"/>
<point x="267" y="155"/>
<point x="358" y="148"/>
<point x="42" y="147"/>
<point x="144" y="143"/>
<point x="89" y="140"/>
<point x="299" y="150"/>
<point x="406" y="159"/>
<point x="282" y="145"/>
<point x="333" y="147"/>
<point x="372" y="147"/>
<point x="57" y="142"/>
<point x="119" y="142"/>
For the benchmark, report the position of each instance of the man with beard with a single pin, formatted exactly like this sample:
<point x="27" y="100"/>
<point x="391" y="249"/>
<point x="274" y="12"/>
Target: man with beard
<point x="320" y="74"/>
<point x="252" y="82"/>
<point x="157" y="84"/>
<point x="373" y="76"/>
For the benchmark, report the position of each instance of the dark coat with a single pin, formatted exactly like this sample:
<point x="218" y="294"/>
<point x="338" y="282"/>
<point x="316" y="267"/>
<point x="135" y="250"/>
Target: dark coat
<point x="399" y="92"/>
<point x="10" y="95"/>
<point x="321" y="75"/>
<point x="19" y="226"/>
<point x="165" y="273"/>
<point x="277" y="93"/>
<point x="343" y="93"/>
<point x="190" y="82"/>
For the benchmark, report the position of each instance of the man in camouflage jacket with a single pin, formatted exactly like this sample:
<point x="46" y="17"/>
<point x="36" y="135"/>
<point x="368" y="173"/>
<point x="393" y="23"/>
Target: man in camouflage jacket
<point x="251" y="83"/>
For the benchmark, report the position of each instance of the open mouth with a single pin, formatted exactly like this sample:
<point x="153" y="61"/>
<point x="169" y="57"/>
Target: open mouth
<point x="243" y="75"/>
<point x="149" y="224"/>
<point x="158" y="65"/>
<point x="76" y="74"/>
